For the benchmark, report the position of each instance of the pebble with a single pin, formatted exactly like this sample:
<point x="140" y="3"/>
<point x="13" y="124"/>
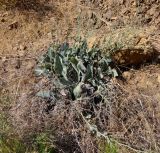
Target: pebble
<point x="127" y="75"/>
<point x="22" y="47"/>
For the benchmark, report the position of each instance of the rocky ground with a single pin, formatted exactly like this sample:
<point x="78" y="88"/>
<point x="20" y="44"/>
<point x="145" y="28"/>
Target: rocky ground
<point x="26" y="32"/>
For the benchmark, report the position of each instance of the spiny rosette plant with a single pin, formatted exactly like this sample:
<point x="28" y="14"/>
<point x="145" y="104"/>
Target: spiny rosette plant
<point x="79" y="70"/>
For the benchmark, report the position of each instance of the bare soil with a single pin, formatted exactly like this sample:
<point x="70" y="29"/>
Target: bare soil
<point x="26" y="32"/>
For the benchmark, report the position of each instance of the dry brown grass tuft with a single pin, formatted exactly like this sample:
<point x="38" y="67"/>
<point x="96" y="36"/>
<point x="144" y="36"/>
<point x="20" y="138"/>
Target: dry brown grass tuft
<point x="129" y="117"/>
<point x="65" y="120"/>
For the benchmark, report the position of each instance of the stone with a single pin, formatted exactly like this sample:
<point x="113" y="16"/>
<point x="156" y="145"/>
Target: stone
<point x="22" y="47"/>
<point x="127" y="75"/>
<point x="3" y="59"/>
<point x="15" y="48"/>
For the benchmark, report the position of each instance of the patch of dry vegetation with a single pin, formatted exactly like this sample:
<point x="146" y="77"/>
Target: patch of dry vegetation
<point x="127" y="122"/>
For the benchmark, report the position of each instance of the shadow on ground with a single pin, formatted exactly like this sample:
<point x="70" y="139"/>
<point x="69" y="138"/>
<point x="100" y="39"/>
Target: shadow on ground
<point x="40" y="8"/>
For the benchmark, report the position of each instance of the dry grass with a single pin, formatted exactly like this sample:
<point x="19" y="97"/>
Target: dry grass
<point x="131" y="118"/>
<point x="6" y="3"/>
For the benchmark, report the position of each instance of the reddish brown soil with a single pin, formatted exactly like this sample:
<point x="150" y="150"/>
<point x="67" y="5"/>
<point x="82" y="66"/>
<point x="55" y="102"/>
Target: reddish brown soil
<point x="25" y="34"/>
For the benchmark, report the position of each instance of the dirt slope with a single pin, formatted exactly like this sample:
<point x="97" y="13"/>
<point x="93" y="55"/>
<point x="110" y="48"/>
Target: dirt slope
<point x="25" y="34"/>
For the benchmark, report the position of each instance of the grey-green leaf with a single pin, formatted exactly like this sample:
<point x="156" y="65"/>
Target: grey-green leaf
<point x="39" y="71"/>
<point x="58" y="64"/>
<point x="89" y="72"/>
<point x="44" y="94"/>
<point x="51" y="54"/>
<point x="81" y="66"/>
<point x="78" y="90"/>
<point x="114" y="72"/>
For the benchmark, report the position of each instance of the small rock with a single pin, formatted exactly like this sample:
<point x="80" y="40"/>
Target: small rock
<point x="127" y="75"/>
<point x="22" y="47"/>
<point x="50" y="34"/>
<point x="3" y="59"/>
<point x="113" y="18"/>
<point x="151" y="11"/>
<point x="15" y="48"/>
